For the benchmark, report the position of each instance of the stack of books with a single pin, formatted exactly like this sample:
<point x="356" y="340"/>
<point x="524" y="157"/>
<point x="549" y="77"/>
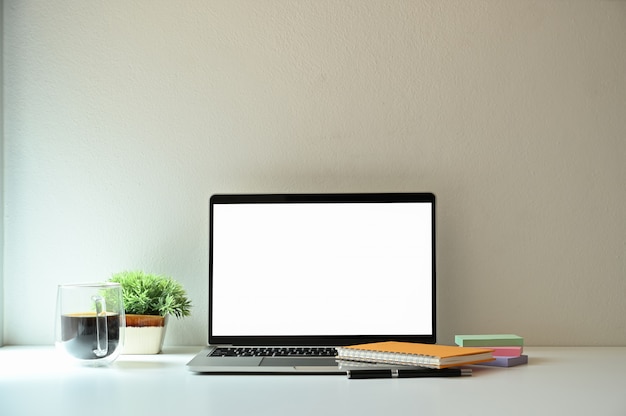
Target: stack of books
<point x="412" y="354"/>
<point x="507" y="348"/>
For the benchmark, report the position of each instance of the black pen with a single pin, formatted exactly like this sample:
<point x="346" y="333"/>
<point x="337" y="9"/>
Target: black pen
<point x="408" y="373"/>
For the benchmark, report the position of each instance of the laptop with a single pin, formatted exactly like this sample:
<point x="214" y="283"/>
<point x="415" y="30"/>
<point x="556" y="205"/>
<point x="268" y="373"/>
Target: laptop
<point x="292" y="276"/>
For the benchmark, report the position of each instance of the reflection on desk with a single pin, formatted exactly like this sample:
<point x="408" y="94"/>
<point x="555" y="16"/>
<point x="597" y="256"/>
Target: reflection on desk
<point x="557" y="381"/>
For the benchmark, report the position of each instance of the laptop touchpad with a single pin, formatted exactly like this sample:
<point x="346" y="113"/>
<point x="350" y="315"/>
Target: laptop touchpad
<point x="298" y="362"/>
<point x="234" y="361"/>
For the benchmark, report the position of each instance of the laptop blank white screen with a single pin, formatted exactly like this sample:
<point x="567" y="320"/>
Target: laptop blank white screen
<point x="301" y="269"/>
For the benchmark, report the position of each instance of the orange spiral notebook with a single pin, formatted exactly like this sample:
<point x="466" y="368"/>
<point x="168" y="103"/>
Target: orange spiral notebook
<point x="414" y="354"/>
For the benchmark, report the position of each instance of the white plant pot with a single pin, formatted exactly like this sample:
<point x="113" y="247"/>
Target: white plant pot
<point x="144" y="334"/>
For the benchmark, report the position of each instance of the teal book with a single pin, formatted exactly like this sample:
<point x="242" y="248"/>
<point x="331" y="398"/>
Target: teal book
<point x="491" y="340"/>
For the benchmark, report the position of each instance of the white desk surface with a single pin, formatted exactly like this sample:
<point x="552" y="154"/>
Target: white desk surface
<point x="557" y="381"/>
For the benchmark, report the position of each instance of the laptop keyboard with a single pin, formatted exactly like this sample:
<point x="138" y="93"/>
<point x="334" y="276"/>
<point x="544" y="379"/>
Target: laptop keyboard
<point x="274" y="352"/>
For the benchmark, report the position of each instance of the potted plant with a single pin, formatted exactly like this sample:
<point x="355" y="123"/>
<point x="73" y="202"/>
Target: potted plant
<point x="149" y="299"/>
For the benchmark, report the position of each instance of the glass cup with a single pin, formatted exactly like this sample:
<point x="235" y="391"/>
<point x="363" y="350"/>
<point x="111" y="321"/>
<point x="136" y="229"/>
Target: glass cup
<point x="90" y="322"/>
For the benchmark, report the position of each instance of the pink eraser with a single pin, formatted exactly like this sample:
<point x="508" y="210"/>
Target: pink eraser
<point x="507" y="351"/>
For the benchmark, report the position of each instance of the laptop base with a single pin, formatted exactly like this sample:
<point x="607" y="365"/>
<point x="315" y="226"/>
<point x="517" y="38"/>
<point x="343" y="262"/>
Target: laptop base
<point x="203" y="363"/>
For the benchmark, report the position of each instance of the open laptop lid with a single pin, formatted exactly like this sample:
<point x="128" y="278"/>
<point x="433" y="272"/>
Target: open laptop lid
<point x="321" y="269"/>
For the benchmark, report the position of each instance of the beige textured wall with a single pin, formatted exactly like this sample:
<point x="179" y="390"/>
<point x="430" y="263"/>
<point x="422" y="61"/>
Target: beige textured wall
<point x="1" y="184"/>
<point x="123" y="116"/>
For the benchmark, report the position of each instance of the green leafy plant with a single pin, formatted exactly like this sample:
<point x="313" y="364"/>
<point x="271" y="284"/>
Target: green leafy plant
<point x="151" y="294"/>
